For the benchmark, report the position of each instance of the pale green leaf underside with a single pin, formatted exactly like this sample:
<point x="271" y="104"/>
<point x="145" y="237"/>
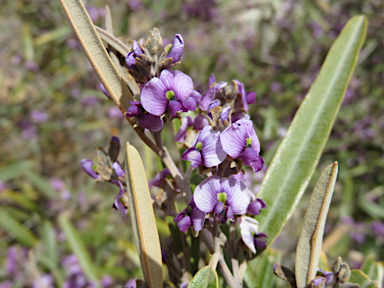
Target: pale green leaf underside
<point x="311" y="237"/>
<point x="359" y="277"/>
<point x="298" y="154"/>
<point x="143" y="219"/>
<point x="204" y="278"/>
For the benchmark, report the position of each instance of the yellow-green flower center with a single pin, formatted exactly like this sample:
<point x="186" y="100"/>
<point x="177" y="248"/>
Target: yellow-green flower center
<point x="170" y="94"/>
<point x="249" y="143"/>
<point x="199" y="145"/>
<point x="222" y="197"/>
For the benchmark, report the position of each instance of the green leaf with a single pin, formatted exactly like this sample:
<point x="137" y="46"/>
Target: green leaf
<point x="260" y="270"/>
<point x="41" y="184"/>
<point x="297" y="156"/>
<point x="374" y="270"/>
<point x="143" y="219"/>
<point x="359" y="277"/>
<point x="78" y="248"/>
<point x="204" y="278"/>
<point x="17" y="230"/>
<point x="49" y="237"/>
<point x="311" y="236"/>
<point x="15" y="170"/>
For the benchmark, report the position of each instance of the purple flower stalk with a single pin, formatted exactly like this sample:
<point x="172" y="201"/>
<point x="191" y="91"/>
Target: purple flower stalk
<point x="240" y="141"/>
<point x="166" y="93"/>
<point x="206" y="149"/>
<point x="222" y="197"/>
<point x="190" y="216"/>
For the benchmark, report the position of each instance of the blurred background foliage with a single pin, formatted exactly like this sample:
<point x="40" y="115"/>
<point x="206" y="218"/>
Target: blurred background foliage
<point x="52" y="115"/>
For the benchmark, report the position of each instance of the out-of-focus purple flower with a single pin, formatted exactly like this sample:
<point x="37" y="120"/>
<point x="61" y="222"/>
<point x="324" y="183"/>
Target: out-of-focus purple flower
<point x="206" y="149"/>
<point x="107" y="281"/>
<point x="6" y="284"/>
<point x="38" y="116"/>
<point x="190" y="216"/>
<point x="145" y="119"/>
<point x="130" y="284"/>
<point x="89" y="101"/>
<point x="134" y="4"/>
<point x="275" y="87"/>
<point x="177" y="49"/>
<point x="357" y="237"/>
<point x="45" y="281"/>
<point x="222" y="197"/>
<point x="167" y="92"/>
<point x="115" y="113"/>
<point x="87" y="166"/>
<point x="378" y="228"/>
<point x="57" y="184"/>
<point x="29" y="132"/>
<point x="250" y="235"/>
<point x="95" y="13"/>
<point x="2" y="186"/>
<point x="31" y="66"/>
<point x="240" y="141"/>
<point x="255" y="206"/>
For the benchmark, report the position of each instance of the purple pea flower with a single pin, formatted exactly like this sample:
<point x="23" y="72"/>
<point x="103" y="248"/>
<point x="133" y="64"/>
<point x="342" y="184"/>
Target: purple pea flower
<point x="255" y="206"/>
<point x="130" y="60"/>
<point x="209" y="95"/>
<point x="38" y="116"/>
<point x="190" y="216"/>
<point x="121" y="201"/>
<point x="198" y="123"/>
<point x="177" y="49"/>
<point x="206" y="149"/>
<point x="240" y="141"/>
<point x="250" y="235"/>
<point x="87" y="166"/>
<point x="166" y="93"/>
<point x="145" y="119"/>
<point x="222" y="197"/>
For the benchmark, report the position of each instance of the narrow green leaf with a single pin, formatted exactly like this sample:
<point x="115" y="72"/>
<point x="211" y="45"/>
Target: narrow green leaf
<point x="205" y="278"/>
<point x="96" y="53"/>
<point x="260" y="270"/>
<point x="298" y="154"/>
<point x="15" y="170"/>
<point x="41" y="184"/>
<point x="49" y="237"/>
<point x="143" y="219"/>
<point x="17" y="230"/>
<point x="311" y="237"/>
<point x="79" y="249"/>
<point x="359" y="277"/>
<point x="374" y="270"/>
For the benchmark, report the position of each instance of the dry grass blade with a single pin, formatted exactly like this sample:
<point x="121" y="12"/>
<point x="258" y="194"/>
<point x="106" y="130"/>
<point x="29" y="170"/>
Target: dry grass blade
<point x="311" y="237"/>
<point x="143" y="219"/>
<point x="97" y="55"/>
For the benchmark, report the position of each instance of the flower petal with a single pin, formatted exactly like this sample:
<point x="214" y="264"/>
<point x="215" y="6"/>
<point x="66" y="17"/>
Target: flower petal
<point x="181" y="134"/>
<point x="177" y="49"/>
<point x="212" y="151"/>
<point x="87" y="165"/>
<point x="153" y="97"/>
<point x="205" y="195"/>
<point x="151" y="122"/>
<point x="238" y="195"/>
<point x="194" y="156"/>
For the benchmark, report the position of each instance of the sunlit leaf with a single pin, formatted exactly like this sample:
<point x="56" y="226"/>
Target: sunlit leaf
<point x="359" y="277"/>
<point x="298" y="154"/>
<point x="204" y="278"/>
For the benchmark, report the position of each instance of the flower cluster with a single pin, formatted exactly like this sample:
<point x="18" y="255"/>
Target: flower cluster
<point x="218" y="135"/>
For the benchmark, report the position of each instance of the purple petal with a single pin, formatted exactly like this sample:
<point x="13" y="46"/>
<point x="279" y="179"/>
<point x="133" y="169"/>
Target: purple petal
<point x="242" y="93"/>
<point x="224" y="115"/>
<point x="177" y="49"/>
<point x="118" y="169"/>
<point x="238" y="195"/>
<point x="234" y="138"/>
<point x="251" y="97"/>
<point x="173" y="107"/>
<point x="212" y="151"/>
<point x="181" y="84"/>
<point x="205" y="195"/>
<point x="181" y="134"/>
<point x="198" y="218"/>
<point x="255" y="206"/>
<point x="248" y="226"/>
<point x="197" y="95"/>
<point x="248" y="156"/>
<point x="218" y="207"/>
<point x="137" y="49"/>
<point x="200" y="122"/>
<point x="213" y="104"/>
<point x="159" y="178"/>
<point x="130" y="60"/>
<point x="239" y="116"/>
<point x="87" y="165"/>
<point x="151" y="122"/>
<point x="212" y="79"/>
<point x="257" y="164"/>
<point x="190" y="104"/>
<point x="184" y="223"/>
<point x="207" y="99"/>
<point x="153" y="97"/>
<point x="118" y="204"/>
<point x="102" y="88"/>
<point x="134" y="111"/>
<point x="193" y="156"/>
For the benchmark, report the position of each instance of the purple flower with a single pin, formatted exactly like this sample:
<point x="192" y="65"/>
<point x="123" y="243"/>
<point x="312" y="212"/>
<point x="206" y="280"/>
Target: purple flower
<point x="377" y="228"/>
<point x="328" y="275"/>
<point x="190" y="216"/>
<point x="206" y="149"/>
<point x="115" y="113"/>
<point x="89" y="101"/>
<point x="87" y="166"/>
<point x="209" y="95"/>
<point x="250" y="235"/>
<point x="102" y="88"/>
<point x="166" y="93"/>
<point x="222" y="197"/>
<point x="121" y="201"/>
<point x="198" y="123"/>
<point x="177" y="49"/>
<point x="240" y="141"/>
<point x="255" y="206"/>
<point x="145" y="119"/>
<point x="38" y="116"/>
